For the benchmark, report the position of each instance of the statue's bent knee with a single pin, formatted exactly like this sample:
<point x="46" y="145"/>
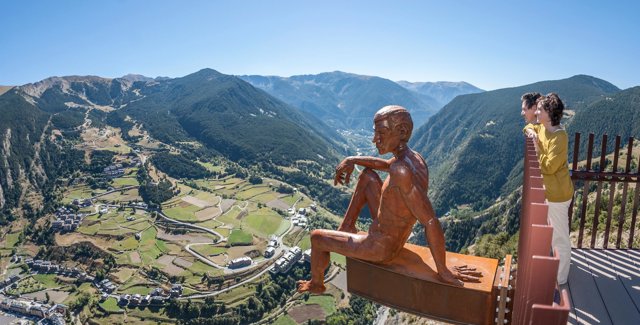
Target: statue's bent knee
<point x="368" y="175"/>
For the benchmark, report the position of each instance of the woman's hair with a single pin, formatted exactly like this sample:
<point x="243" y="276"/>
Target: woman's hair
<point x="530" y="99"/>
<point x="553" y="105"/>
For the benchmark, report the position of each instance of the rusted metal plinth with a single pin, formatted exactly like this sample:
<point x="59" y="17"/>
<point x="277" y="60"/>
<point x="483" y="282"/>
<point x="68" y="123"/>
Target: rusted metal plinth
<point x="410" y="283"/>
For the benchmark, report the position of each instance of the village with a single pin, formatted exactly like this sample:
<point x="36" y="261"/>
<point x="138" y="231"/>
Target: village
<point x="224" y="228"/>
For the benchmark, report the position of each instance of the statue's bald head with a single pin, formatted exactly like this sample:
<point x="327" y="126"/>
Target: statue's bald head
<point x="397" y="116"/>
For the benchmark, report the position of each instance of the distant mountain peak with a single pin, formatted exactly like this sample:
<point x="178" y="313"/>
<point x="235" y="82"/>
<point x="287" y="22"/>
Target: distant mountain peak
<point x="36" y="89"/>
<point x="136" y="77"/>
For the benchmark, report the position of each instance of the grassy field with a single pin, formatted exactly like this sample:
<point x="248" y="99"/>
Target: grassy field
<point x="201" y="268"/>
<point x="265" y="197"/>
<point x="290" y="199"/>
<point x="236" y="294"/>
<point x="285" y="320"/>
<point x="124" y="274"/>
<point x="211" y="166"/>
<point x="231" y="217"/>
<point x="27" y="285"/>
<point x="185" y="214"/>
<point x="143" y="289"/>
<point x="252" y="191"/>
<point x="124" y="181"/>
<point x="48" y="280"/>
<point x="208" y="250"/>
<point x="264" y="222"/>
<point x="10" y="240"/>
<point x="110" y="305"/>
<point x="130" y="243"/>
<point x="85" y="287"/>
<point x="305" y="243"/>
<point x="126" y="196"/>
<point x="78" y="192"/>
<point x="239" y="237"/>
<point x="327" y="302"/>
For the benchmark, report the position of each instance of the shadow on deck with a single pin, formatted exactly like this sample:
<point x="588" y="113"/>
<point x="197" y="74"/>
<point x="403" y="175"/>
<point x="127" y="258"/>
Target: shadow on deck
<point x="604" y="286"/>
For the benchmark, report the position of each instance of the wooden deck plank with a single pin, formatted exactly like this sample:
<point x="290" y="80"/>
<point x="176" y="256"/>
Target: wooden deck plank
<point x="630" y="260"/>
<point x="587" y="306"/>
<point x="617" y="301"/>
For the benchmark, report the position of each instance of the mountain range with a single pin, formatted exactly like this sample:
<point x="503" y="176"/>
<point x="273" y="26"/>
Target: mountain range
<point x="441" y="91"/>
<point x="474" y="144"/>
<point x="229" y="116"/>
<point x="349" y="101"/>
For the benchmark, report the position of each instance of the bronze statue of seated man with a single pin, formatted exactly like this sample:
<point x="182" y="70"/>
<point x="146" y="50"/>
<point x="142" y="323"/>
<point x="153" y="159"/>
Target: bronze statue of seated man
<point x="395" y="205"/>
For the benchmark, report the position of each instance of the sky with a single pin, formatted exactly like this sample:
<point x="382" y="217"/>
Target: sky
<point x="490" y="44"/>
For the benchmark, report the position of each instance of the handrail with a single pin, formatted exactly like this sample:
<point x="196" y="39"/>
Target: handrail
<point x="537" y="267"/>
<point x="586" y="175"/>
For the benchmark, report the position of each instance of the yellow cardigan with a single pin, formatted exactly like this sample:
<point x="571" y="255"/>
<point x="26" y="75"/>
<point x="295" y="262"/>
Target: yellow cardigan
<point x="552" y="155"/>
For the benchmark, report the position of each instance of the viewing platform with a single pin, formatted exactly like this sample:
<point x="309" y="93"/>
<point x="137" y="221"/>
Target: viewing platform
<point x="604" y="281"/>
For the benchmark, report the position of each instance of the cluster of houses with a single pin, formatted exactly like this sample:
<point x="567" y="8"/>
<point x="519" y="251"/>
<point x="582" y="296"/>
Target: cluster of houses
<point x="114" y="170"/>
<point x="53" y="314"/>
<point x="106" y="286"/>
<point x="9" y="281"/>
<point x="284" y="264"/>
<point x="239" y="262"/>
<point x="300" y="218"/>
<point x="67" y="220"/>
<point x="156" y="297"/>
<point x="271" y="247"/>
<point x="50" y="267"/>
<point x="140" y="205"/>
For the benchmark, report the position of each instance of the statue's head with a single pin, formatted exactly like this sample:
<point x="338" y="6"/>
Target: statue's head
<point x="393" y="127"/>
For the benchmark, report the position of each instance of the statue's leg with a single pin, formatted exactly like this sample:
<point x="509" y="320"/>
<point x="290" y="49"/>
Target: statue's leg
<point x="323" y="242"/>
<point x="368" y="191"/>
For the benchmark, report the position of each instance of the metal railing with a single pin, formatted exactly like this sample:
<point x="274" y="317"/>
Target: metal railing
<point x="537" y="268"/>
<point x="606" y="172"/>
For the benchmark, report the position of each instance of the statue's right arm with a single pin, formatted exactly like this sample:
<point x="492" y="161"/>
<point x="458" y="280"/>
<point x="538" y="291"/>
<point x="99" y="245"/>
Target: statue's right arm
<point x="370" y="162"/>
<point x="345" y="168"/>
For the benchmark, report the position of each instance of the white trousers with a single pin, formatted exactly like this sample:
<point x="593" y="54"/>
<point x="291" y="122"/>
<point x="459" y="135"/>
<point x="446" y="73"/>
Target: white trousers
<point x="559" y="219"/>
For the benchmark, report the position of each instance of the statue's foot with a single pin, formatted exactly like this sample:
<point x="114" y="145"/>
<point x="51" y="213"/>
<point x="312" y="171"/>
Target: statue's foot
<point x="448" y="278"/>
<point x="309" y="286"/>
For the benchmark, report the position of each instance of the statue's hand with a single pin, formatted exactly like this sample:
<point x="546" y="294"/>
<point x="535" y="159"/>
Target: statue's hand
<point x="343" y="172"/>
<point x="466" y="273"/>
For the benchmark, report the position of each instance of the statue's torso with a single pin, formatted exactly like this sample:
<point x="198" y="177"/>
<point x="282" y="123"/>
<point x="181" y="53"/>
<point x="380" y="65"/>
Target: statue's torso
<point x="395" y="219"/>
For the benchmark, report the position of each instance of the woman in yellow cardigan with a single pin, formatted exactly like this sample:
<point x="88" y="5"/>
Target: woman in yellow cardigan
<point x="552" y="144"/>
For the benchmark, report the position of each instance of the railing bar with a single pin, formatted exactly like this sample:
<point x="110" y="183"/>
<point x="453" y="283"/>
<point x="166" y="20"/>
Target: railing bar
<point x="603" y="154"/>
<point x="616" y="153"/>
<point x="583" y="212"/>
<point x="621" y="217"/>
<point x="612" y="192"/>
<point x="634" y="214"/>
<point x="576" y="155"/>
<point x="585" y="191"/>
<point x="627" y="168"/>
<point x="570" y="218"/>
<point x="594" y="176"/>
<point x="594" y="229"/>
<point x="596" y="215"/>
<point x="576" y="151"/>
<point x="589" y="151"/>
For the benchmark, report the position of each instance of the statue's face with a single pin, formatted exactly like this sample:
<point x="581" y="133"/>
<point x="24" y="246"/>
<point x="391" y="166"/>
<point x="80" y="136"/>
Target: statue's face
<point x="385" y="137"/>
